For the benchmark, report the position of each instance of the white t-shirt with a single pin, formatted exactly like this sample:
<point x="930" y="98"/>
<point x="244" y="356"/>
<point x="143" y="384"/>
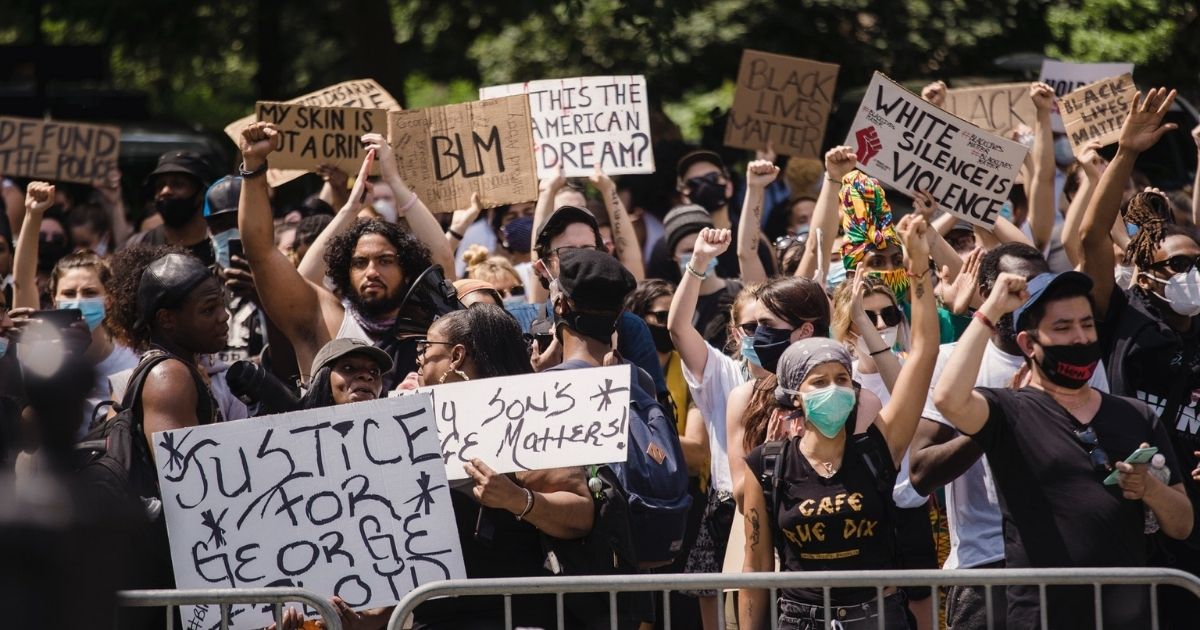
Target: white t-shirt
<point x="972" y="510"/>
<point x="120" y="359"/>
<point x="710" y="393"/>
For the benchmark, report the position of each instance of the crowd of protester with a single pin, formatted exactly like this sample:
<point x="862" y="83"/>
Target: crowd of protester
<point x="850" y="389"/>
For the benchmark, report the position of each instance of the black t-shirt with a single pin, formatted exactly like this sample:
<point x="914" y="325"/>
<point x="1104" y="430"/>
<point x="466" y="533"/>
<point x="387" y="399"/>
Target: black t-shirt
<point x="1057" y="511"/>
<point x="158" y="236"/>
<point x="840" y="523"/>
<point x="662" y="264"/>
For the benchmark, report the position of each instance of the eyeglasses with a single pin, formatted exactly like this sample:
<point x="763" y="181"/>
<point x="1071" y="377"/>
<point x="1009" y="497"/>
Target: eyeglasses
<point x="557" y="251"/>
<point x="1178" y="264"/>
<point x="891" y="316"/>
<point x="423" y="346"/>
<point x="786" y="241"/>
<point x="517" y="291"/>
<point x="1087" y="437"/>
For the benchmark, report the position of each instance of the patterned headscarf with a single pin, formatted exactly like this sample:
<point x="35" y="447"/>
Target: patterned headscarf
<point x="867" y="225"/>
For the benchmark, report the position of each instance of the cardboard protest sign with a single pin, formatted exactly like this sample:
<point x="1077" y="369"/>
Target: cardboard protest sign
<point x="781" y="101"/>
<point x="1095" y="112"/>
<point x="310" y="135"/>
<point x="586" y="121"/>
<point x="996" y="108"/>
<point x="349" y="500"/>
<point x="360" y="93"/>
<point x="57" y="150"/>
<point x="1065" y="77"/>
<point x="535" y="421"/>
<point x="446" y="153"/>
<point x="908" y="144"/>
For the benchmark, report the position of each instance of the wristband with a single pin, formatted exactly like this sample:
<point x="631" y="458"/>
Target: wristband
<point x="917" y="276"/>
<point x="528" y="504"/>
<point x="984" y="320"/>
<point x="880" y="351"/>
<point x="408" y="204"/>
<point x="251" y="174"/>
<point x="456" y="235"/>
<point x="702" y="276"/>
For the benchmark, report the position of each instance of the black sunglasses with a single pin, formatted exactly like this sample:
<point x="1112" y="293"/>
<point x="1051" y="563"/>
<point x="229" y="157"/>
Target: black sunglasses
<point x="1178" y="264"/>
<point x="1087" y="437"/>
<point x="890" y="315"/>
<point x="661" y="316"/>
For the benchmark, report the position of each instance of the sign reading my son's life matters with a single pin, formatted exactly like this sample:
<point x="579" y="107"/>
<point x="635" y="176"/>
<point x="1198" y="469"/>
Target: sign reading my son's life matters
<point x="587" y="121"/>
<point x="349" y="500"/>
<point x="910" y="145"/>
<point x="534" y="421"/>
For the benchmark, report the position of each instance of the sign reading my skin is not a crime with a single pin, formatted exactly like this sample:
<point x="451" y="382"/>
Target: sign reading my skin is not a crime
<point x="310" y="135"/>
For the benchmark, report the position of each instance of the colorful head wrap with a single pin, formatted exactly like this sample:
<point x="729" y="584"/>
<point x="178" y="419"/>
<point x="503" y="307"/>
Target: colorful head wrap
<point x="867" y="225"/>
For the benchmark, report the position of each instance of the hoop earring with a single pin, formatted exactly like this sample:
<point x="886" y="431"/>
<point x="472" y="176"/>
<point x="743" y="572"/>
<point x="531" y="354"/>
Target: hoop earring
<point x="457" y="372"/>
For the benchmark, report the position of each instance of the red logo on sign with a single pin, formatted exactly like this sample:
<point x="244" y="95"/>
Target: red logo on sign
<point x="868" y="144"/>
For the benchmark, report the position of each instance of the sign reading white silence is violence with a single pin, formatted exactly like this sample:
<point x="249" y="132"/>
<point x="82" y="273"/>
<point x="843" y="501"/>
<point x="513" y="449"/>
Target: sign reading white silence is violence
<point x="911" y="145"/>
<point x="349" y="500"/>
<point x="587" y="121"/>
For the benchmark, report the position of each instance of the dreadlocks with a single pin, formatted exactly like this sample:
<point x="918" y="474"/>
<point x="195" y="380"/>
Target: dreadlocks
<point x="1151" y="213"/>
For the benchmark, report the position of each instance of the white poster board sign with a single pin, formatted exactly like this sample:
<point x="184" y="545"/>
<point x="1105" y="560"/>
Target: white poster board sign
<point x="585" y="121"/>
<point x="910" y="145"/>
<point x="534" y="421"/>
<point x="349" y="500"/>
<point x="1065" y="77"/>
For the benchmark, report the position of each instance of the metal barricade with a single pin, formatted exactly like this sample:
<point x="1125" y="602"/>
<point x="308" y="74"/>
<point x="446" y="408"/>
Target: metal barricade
<point x="825" y="580"/>
<point x="226" y="597"/>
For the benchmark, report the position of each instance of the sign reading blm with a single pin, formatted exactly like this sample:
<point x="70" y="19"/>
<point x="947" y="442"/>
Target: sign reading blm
<point x="349" y="500"/>
<point x="57" y="151"/>
<point x="583" y="122"/>
<point x="447" y="153"/>
<point x="310" y="136"/>
<point x="910" y="145"/>
<point x="782" y="103"/>
<point x="1095" y="112"/>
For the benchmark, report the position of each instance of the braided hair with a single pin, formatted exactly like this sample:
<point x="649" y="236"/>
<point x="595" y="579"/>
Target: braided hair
<point x="1151" y="213"/>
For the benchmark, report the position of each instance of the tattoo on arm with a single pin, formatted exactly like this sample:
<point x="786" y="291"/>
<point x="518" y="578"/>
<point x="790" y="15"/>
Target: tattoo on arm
<point x="920" y="288"/>
<point x="754" y="530"/>
<point x="615" y="208"/>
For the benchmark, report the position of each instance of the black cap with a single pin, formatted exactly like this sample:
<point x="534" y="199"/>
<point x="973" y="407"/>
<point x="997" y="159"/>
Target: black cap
<point x="166" y="282"/>
<point x="682" y="221"/>
<point x="699" y="155"/>
<point x="594" y="280"/>
<point x="222" y="197"/>
<point x="186" y="162"/>
<point x="1040" y="284"/>
<point x="558" y="222"/>
<point x="342" y="346"/>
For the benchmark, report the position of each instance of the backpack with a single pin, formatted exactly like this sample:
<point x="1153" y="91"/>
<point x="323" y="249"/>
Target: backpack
<point x="653" y="479"/>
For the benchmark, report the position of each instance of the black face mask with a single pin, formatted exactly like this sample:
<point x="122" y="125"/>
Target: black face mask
<point x="769" y="344"/>
<point x="662" y="338"/>
<point x="176" y="212"/>
<point x="1070" y="366"/>
<point x="707" y="192"/>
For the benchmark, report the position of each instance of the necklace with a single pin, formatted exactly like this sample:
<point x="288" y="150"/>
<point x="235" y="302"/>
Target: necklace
<point x="829" y="469"/>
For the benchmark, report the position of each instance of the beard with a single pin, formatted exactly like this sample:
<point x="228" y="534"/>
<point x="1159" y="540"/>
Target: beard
<point x="375" y="307"/>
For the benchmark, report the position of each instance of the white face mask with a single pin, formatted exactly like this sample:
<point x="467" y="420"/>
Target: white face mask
<point x="1123" y="276"/>
<point x="386" y="209"/>
<point x="889" y="336"/>
<point x="1182" y="292"/>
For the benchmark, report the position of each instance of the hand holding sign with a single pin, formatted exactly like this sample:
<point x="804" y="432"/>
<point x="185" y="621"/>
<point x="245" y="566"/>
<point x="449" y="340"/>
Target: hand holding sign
<point x="1143" y="127"/>
<point x="1042" y="96"/>
<point x="257" y="142"/>
<point x="601" y="181"/>
<point x="39" y="196"/>
<point x="493" y="489"/>
<point x="554" y="182"/>
<point x="1090" y="160"/>
<point x="924" y="204"/>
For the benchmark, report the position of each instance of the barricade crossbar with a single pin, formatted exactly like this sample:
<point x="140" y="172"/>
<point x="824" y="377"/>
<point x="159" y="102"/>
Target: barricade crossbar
<point x="226" y="597"/>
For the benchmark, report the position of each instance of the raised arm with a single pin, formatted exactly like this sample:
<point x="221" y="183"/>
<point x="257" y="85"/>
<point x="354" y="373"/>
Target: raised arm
<point x="939" y="455"/>
<point x="754" y="605"/>
<point x="333" y="191"/>
<point x="1089" y="175"/>
<point x="38" y="197"/>
<point x="954" y="394"/>
<point x="1041" y="185"/>
<point x="689" y="343"/>
<point x="942" y="253"/>
<point x="759" y="175"/>
<point x="898" y="418"/>
<point x="874" y="355"/>
<point x="1196" y="181"/>
<point x="1141" y="130"/>
<point x="421" y="221"/>
<point x="312" y="267"/>
<point x="461" y="220"/>
<point x="547" y="189"/>
<point x="114" y="205"/>
<point x="827" y="216"/>
<point x="629" y="251"/>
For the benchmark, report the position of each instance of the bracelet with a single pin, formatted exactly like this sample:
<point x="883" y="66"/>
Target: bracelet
<point x="918" y="276"/>
<point x="456" y="235"/>
<point x="408" y="204"/>
<point x="702" y="276"/>
<point x="984" y="319"/>
<point x="830" y="179"/>
<point x="881" y="351"/>
<point x="251" y="174"/>
<point x="528" y="504"/>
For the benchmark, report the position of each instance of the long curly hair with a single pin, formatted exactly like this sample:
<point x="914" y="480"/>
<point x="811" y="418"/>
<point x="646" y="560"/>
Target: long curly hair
<point x="413" y="255"/>
<point x="1151" y="213"/>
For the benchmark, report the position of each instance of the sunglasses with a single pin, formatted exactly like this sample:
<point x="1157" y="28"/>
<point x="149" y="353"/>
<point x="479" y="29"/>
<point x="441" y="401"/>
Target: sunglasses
<point x="1099" y="457"/>
<point x="660" y="316"/>
<point x="890" y="316"/>
<point x="1178" y="264"/>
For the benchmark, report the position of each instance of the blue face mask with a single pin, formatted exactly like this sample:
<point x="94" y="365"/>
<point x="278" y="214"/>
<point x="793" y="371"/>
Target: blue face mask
<point x="1131" y="229"/>
<point x="828" y="408"/>
<point x="687" y="258"/>
<point x="221" y="246"/>
<point x="92" y="309"/>
<point x="836" y="275"/>
<point x="1006" y="211"/>
<point x="3" y="346"/>
<point x="749" y="353"/>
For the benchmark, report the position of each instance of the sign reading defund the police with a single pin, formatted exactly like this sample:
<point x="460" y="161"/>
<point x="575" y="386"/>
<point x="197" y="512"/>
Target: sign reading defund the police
<point x="911" y="145"/>
<point x="583" y="122"/>
<point x="536" y="421"/>
<point x="349" y="501"/>
<point x="57" y="150"/>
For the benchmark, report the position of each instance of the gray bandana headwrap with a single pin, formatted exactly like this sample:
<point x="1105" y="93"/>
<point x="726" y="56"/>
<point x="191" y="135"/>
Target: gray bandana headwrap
<point x="800" y="358"/>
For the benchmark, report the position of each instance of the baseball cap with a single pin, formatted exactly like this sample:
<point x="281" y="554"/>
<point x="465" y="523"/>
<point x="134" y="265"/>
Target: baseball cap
<point x="699" y="155"/>
<point x="186" y="162"/>
<point x="339" y="348"/>
<point x="222" y="196"/>
<point x="682" y="221"/>
<point x="166" y="282"/>
<point x="594" y="280"/>
<point x="558" y="222"/>
<point x="1043" y="282"/>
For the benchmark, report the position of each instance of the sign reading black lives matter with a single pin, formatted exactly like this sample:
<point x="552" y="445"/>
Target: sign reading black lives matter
<point x="1065" y="77"/>
<point x="910" y="145"/>
<point x="781" y="103"/>
<point x="310" y="135"/>
<point x="349" y="500"/>
<point x="534" y="421"/>
<point x="1095" y="112"/>
<point x="585" y="121"/>
<point x="57" y="150"/>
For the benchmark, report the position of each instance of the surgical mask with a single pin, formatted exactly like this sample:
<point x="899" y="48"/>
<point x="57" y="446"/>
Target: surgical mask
<point x="707" y="192"/>
<point x="176" y="212"/>
<point x="1182" y="292"/>
<point x="687" y="258"/>
<point x="386" y="209"/>
<point x="836" y="275"/>
<point x="1006" y="211"/>
<point x="1064" y="156"/>
<point x="221" y="246"/>
<point x="662" y="338"/>
<point x="1123" y="276"/>
<point x="769" y="345"/>
<point x="3" y="346"/>
<point x="91" y="308"/>
<point x="748" y="352"/>
<point x="889" y="335"/>
<point x="1070" y="366"/>
<point x="1131" y="229"/>
<point x="828" y="408"/>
